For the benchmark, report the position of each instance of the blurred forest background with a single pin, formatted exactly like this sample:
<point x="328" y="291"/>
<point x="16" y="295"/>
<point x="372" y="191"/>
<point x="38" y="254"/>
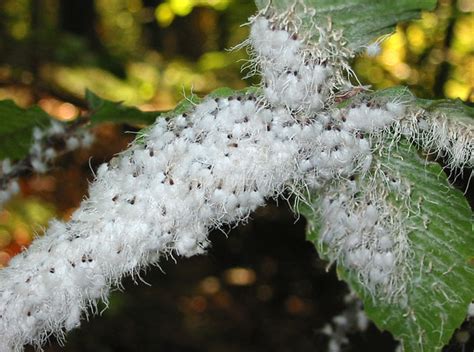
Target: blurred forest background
<point x="261" y="289"/>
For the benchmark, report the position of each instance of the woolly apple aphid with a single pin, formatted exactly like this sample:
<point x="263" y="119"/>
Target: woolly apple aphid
<point x="306" y="165"/>
<point x="373" y="49"/>
<point x="352" y="222"/>
<point x="352" y="241"/>
<point x="185" y="244"/>
<point x="388" y="260"/>
<point x="72" y="143"/>
<point x="378" y="260"/>
<point x="366" y="163"/>
<point x="377" y="276"/>
<point x="50" y="154"/>
<point x="385" y="243"/>
<point x="362" y="320"/>
<point x="38" y="165"/>
<point x="470" y="310"/>
<point x="180" y="121"/>
<point x="359" y="257"/>
<point x="73" y="319"/>
<point x="56" y="128"/>
<point x="256" y="199"/>
<point x="340" y="320"/>
<point x="205" y="107"/>
<point x="37" y="133"/>
<point x="371" y="216"/>
<point x="87" y="139"/>
<point x="396" y="108"/>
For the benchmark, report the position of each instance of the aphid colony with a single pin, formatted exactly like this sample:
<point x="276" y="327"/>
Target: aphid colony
<point x="41" y="154"/>
<point x="193" y="173"/>
<point x="200" y="170"/>
<point x="452" y="140"/>
<point x="366" y="233"/>
<point x="296" y="73"/>
<point x="352" y="319"/>
<point x="10" y="187"/>
<point x="359" y="227"/>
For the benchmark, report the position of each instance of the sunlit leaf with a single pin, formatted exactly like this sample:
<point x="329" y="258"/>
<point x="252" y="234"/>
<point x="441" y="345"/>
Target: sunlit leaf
<point x="103" y="110"/>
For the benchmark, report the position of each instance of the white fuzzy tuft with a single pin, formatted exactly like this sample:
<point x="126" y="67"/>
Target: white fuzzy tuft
<point x="470" y="311"/>
<point x="373" y="49"/>
<point x="297" y="74"/>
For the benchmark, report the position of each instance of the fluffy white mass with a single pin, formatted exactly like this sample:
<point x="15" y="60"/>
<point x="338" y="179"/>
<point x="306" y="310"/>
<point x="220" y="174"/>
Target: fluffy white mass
<point x="197" y="171"/>
<point x="296" y="73"/>
<point x="448" y="139"/>
<point x="161" y="197"/>
<point x="351" y="320"/>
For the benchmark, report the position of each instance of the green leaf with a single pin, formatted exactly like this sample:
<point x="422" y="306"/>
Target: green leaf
<point x="361" y="20"/>
<point x="183" y="106"/>
<point x="440" y="231"/>
<point x="453" y="109"/>
<point x="225" y="92"/>
<point x="103" y="110"/>
<point x="16" y="128"/>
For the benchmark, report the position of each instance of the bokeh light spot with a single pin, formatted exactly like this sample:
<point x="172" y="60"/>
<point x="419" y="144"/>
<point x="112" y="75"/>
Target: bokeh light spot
<point x="4" y="259"/>
<point x="210" y="285"/>
<point x="5" y="238"/>
<point x="181" y="7"/>
<point x="164" y="15"/>
<point x="240" y="276"/>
